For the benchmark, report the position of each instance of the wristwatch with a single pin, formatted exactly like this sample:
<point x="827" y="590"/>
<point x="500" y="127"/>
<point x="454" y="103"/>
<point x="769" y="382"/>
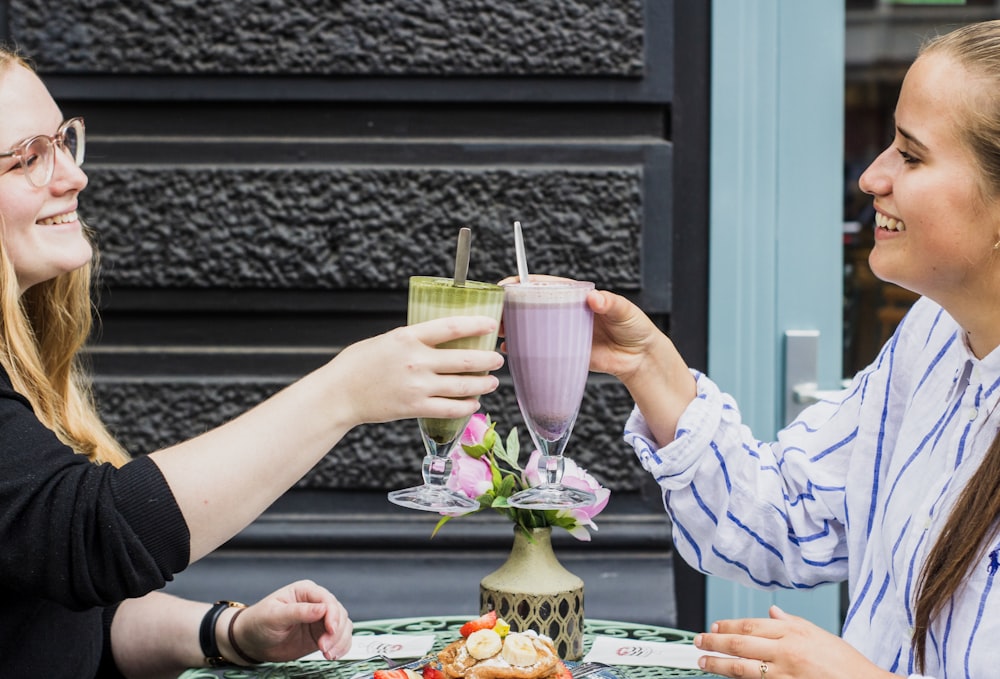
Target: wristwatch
<point x="206" y="633"/>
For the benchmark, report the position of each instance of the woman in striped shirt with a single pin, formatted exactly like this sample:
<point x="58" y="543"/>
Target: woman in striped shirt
<point x="895" y="483"/>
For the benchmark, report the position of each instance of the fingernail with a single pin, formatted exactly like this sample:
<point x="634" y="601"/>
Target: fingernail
<point x="697" y="640"/>
<point x="702" y="662"/>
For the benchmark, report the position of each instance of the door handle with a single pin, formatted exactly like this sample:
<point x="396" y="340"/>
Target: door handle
<point x="801" y="371"/>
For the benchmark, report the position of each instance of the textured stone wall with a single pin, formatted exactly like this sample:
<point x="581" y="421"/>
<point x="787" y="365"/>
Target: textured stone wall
<point x="370" y="228"/>
<point x="345" y="37"/>
<point x="153" y="414"/>
<point x="206" y="227"/>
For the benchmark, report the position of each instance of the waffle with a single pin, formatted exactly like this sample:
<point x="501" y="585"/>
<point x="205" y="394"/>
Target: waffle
<point x="457" y="662"/>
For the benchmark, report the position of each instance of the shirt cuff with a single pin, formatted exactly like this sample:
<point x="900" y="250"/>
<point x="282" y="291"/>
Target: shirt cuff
<point x="674" y="464"/>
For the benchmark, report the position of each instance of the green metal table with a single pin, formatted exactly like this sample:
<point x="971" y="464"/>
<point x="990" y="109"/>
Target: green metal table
<point x="445" y="630"/>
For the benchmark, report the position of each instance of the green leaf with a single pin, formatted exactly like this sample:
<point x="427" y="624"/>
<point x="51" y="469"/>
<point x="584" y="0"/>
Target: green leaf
<point x="507" y="486"/>
<point x="476" y="451"/>
<point x="490" y="437"/>
<point x="496" y="475"/>
<point x="442" y="522"/>
<point x="566" y="522"/>
<point x="512" y="451"/>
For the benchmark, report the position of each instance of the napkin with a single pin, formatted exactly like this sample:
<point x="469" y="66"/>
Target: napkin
<point x="622" y="651"/>
<point x="392" y="645"/>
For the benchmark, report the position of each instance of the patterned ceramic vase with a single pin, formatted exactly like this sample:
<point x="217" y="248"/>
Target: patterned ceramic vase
<point x="532" y="590"/>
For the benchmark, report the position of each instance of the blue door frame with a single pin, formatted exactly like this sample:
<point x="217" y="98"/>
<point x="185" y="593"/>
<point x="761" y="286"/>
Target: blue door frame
<point x="775" y="253"/>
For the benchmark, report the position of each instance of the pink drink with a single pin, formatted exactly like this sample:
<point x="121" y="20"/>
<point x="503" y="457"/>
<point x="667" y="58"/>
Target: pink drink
<point x="548" y="329"/>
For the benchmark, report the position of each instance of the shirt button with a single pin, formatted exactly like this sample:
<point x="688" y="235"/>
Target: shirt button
<point x="973" y="413"/>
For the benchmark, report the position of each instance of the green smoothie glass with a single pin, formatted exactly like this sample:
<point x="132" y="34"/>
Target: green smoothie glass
<point x="431" y="298"/>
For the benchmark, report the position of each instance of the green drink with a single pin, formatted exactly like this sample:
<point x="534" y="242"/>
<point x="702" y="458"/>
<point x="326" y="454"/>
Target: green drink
<point x="432" y="298"/>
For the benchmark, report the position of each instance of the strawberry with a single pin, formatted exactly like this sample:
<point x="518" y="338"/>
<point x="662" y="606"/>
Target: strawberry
<point x="431" y="672"/>
<point x="398" y="673"/>
<point x="562" y="672"/>
<point x="485" y="621"/>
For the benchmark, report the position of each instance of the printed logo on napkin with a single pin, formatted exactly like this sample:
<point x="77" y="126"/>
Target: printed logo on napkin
<point x="392" y="645"/>
<point x="619" y="651"/>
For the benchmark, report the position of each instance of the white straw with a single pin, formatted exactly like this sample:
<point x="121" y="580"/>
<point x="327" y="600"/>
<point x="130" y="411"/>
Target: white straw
<point x="522" y="260"/>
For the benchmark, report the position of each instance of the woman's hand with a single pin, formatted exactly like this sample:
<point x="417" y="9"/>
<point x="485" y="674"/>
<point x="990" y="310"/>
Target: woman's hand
<point x="290" y="623"/>
<point x="623" y="335"/>
<point x="629" y="346"/>
<point x="401" y="374"/>
<point x="622" y="332"/>
<point x="788" y="646"/>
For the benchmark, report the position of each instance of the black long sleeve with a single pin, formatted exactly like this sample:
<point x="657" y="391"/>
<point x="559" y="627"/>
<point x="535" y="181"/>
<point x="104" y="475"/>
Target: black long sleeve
<point x="76" y="537"/>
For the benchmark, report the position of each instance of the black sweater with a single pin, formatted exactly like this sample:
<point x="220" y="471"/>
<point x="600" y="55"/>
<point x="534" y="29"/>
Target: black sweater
<point x="75" y="539"/>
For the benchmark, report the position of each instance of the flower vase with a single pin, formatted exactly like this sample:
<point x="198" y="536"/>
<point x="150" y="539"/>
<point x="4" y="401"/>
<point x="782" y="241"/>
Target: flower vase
<point x="532" y="590"/>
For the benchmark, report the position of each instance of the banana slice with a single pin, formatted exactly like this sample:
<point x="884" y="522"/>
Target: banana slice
<point x="519" y="649"/>
<point x="484" y="643"/>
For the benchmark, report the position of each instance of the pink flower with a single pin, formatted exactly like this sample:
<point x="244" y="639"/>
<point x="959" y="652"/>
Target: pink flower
<point x="469" y="475"/>
<point x="574" y="476"/>
<point x="475" y="431"/>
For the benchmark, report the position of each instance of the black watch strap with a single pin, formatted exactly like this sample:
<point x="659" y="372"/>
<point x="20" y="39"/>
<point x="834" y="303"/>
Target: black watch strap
<point x="206" y="633"/>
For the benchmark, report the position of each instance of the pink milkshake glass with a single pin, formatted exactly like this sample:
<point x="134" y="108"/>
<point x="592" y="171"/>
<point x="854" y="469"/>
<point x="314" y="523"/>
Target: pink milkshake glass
<point x="548" y="330"/>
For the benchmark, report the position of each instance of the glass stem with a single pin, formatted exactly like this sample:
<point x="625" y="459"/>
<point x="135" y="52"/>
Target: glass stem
<point x="553" y="467"/>
<point x="436" y="470"/>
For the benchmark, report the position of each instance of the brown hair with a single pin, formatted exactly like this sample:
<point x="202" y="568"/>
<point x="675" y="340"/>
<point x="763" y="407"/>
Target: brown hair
<point x="962" y="542"/>
<point x="42" y="332"/>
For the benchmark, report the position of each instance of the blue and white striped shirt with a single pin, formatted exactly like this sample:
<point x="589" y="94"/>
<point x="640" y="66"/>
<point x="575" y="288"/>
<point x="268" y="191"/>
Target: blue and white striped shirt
<point x="858" y="487"/>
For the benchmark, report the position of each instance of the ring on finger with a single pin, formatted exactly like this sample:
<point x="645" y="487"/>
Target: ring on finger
<point x="763" y="670"/>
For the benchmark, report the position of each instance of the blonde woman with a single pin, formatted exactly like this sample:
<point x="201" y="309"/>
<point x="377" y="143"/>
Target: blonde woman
<point x="894" y="485"/>
<point x="88" y="533"/>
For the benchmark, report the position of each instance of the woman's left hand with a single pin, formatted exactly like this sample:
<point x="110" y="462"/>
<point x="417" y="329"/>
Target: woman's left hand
<point x="292" y="622"/>
<point x="782" y="646"/>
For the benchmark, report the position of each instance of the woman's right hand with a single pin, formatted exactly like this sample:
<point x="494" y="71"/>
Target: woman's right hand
<point x="628" y="345"/>
<point x="401" y="374"/>
<point x="623" y="335"/>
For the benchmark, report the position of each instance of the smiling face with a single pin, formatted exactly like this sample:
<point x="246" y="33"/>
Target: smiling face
<point x="40" y="229"/>
<point x="935" y="226"/>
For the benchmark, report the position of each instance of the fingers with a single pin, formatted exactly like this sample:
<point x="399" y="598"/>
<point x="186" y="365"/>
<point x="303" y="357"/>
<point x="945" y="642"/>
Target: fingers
<point x="451" y="328"/>
<point x="744" y="643"/>
<point x="734" y="667"/>
<point x="615" y="307"/>
<point x="336" y="638"/>
<point x="313" y="605"/>
<point x="748" y="627"/>
<point x="777" y="614"/>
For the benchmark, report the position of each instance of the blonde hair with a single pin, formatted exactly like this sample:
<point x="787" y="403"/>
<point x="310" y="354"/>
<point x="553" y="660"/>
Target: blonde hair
<point x="42" y="332"/>
<point x="972" y="521"/>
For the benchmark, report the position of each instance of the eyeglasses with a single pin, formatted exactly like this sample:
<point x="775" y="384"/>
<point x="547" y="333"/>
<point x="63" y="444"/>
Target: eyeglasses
<point x="37" y="155"/>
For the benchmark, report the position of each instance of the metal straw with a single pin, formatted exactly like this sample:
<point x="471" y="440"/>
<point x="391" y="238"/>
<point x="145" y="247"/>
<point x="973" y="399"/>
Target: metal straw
<point x="462" y="256"/>
<point x="522" y="260"/>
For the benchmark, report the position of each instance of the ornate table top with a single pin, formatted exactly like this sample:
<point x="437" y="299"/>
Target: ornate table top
<point x="445" y="629"/>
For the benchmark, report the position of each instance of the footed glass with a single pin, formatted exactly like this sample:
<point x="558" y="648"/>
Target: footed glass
<point x="432" y="298"/>
<point x="548" y="330"/>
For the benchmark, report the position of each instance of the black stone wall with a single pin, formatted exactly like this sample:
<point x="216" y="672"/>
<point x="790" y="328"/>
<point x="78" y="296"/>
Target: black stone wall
<point x="266" y="174"/>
